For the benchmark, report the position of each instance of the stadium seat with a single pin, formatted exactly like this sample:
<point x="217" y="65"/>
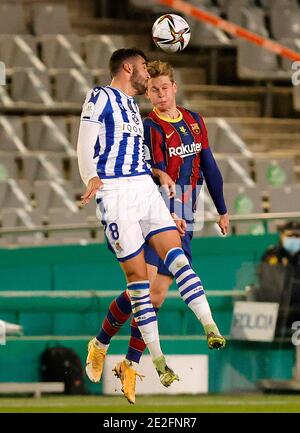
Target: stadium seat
<point x="141" y="6"/>
<point x="293" y="44"/>
<point x="11" y="134"/>
<point x="235" y="170"/>
<point x="224" y="139"/>
<point x="72" y="85"/>
<point x="5" y="99"/>
<point x="74" y="176"/>
<point x="45" y="133"/>
<point x="50" y="194"/>
<point x="19" y="51"/>
<point x="74" y="122"/>
<point x="12" y="20"/>
<point x="203" y="34"/>
<point x="256" y="63"/>
<point x="285" y="22"/>
<point x="253" y="19"/>
<point x="233" y="10"/>
<point x="43" y="167"/>
<point x="8" y="167"/>
<point x="241" y="200"/>
<point x="15" y="195"/>
<point x="274" y="172"/>
<point x="66" y="217"/>
<point x="31" y="85"/>
<point x="284" y="199"/>
<point x="49" y="19"/>
<point x="272" y="4"/>
<point x="21" y="219"/>
<point x="98" y="49"/>
<point x="62" y="51"/>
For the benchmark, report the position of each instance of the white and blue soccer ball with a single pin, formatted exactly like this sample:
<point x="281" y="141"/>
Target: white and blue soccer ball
<point x="171" y="33"/>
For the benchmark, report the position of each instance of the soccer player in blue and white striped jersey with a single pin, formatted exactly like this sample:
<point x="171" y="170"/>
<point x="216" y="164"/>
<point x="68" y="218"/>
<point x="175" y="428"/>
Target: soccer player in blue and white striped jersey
<point x="112" y="165"/>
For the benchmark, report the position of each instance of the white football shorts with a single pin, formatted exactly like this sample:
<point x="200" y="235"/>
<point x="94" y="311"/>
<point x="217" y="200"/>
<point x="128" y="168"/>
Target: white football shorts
<point x="132" y="210"/>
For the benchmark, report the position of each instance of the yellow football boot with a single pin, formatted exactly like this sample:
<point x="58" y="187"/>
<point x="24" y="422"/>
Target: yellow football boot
<point x="94" y="361"/>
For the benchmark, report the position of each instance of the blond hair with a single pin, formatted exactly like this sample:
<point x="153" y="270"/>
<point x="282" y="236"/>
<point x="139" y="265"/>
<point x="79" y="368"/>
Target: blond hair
<point x="158" y="68"/>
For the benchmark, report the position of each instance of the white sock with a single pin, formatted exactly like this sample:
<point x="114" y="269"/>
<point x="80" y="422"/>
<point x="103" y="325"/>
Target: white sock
<point x="154" y="349"/>
<point x="190" y="287"/>
<point x="145" y="315"/>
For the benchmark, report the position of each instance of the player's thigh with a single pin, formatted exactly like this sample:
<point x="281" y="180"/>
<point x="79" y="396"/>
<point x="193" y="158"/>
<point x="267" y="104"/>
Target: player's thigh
<point x="159" y="289"/>
<point x="135" y="268"/>
<point x="121" y="225"/>
<point x="158" y="226"/>
<point x="164" y="241"/>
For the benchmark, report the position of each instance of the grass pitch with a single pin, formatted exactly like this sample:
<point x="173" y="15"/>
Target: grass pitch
<point x="222" y="403"/>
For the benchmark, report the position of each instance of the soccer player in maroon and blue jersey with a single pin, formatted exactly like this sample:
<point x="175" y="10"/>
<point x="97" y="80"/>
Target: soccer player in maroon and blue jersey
<point x="177" y="142"/>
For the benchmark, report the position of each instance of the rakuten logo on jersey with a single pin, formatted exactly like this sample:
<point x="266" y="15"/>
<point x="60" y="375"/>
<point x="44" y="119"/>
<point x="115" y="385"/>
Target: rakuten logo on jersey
<point x="185" y="150"/>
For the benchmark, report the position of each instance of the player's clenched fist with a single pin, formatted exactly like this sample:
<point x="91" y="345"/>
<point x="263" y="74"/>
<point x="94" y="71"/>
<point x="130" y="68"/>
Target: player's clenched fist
<point x="94" y="184"/>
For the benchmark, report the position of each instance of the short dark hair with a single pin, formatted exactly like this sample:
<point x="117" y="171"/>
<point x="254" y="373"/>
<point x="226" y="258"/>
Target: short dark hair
<point x="119" y="56"/>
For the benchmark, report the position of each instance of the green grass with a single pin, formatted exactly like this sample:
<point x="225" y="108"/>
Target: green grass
<point x="154" y="404"/>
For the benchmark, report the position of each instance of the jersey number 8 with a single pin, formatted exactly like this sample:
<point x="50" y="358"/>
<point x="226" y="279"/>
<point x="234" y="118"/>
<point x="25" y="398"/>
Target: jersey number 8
<point x="114" y="230"/>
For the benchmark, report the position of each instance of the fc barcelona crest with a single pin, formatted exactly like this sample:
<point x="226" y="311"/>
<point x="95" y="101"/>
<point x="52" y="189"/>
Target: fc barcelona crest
<point x="195" y="128"/>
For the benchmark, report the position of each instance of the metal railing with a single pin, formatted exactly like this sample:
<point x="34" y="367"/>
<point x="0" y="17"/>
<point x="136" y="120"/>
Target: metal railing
<point x="257" y="217"/>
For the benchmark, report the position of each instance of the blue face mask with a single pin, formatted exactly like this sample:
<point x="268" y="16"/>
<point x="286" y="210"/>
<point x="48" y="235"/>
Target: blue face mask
<point x="291" y="244"/>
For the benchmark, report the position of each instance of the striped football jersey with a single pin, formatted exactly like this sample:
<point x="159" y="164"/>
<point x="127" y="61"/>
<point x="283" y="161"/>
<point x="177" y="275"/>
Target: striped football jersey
<point x="119" y="147"/>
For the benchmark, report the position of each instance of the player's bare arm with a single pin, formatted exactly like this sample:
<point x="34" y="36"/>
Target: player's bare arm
<point x="165" y="181"/>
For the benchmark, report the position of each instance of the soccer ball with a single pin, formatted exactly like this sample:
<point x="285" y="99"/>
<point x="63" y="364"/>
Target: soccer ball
<point x="171" y="33"/>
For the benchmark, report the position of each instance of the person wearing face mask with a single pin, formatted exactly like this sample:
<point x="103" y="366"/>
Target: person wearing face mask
<point x="282" y="263"/>
<point x="287" y="250"/>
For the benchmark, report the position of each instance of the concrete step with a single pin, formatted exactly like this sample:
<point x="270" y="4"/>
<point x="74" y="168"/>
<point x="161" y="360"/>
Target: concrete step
<point x="214" y="108"/>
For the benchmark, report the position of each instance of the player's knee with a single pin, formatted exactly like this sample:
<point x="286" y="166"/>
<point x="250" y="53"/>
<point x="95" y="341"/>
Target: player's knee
<point x="158" y="295"/>
<point x="136" y="275"/>
<point x="159" y="303"/>
<point x="157" y="300"/>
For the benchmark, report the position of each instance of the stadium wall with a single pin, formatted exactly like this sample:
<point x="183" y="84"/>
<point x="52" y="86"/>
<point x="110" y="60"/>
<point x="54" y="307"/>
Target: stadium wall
<point x="219" y="261"/>
<point x="223" y="264"/>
